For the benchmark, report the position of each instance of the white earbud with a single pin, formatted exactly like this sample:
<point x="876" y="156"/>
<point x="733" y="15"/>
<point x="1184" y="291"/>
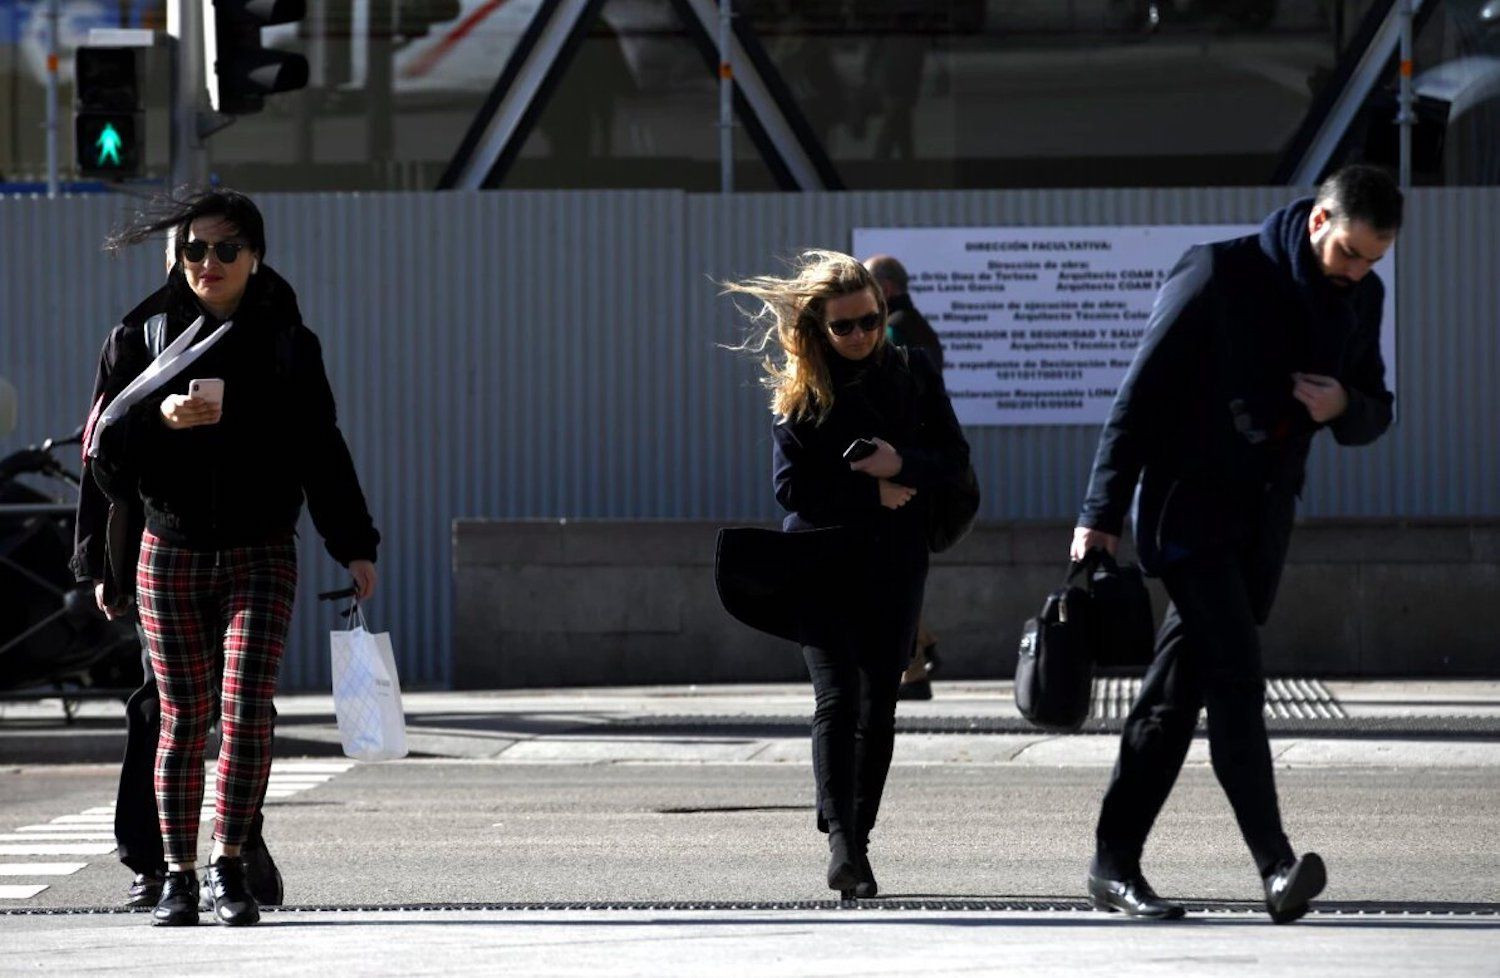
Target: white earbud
<point x="254" y="265"/>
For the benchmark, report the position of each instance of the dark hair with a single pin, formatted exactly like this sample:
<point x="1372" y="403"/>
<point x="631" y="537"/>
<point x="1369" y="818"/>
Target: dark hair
<point x="177" y="212"/>
<point x="1364" y="193"/>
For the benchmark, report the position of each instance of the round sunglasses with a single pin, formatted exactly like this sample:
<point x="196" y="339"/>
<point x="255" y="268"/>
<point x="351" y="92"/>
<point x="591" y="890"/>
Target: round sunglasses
<point x="228" y="252"/>
<point x="868" y="323"/>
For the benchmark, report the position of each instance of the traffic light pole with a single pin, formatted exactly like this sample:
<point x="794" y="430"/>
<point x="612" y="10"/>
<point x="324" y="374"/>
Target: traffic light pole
<point x="185" y="28"/>
<point x="53" y="16"/>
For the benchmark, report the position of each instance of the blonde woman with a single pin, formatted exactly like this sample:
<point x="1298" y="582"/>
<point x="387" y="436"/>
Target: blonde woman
<point x="839" y="390"/>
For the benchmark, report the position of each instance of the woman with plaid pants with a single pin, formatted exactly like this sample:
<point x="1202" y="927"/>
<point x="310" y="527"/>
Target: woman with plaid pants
<point x="220" y="458"/>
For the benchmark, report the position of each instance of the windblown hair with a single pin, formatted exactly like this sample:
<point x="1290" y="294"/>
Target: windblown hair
<point x="177" y="212"/>
<point x="791" y="317"/>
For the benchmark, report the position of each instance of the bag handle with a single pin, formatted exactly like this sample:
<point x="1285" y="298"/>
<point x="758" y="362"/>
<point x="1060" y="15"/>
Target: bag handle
<point x="1094" y="559"/>
<point x="355" y="616"/>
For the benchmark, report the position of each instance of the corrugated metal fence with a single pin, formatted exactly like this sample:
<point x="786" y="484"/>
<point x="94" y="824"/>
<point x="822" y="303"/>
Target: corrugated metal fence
<point x="561" y="355"/>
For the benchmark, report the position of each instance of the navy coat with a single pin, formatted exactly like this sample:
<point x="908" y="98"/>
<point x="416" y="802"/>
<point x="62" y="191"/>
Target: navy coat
<point x="1205" y="437"/>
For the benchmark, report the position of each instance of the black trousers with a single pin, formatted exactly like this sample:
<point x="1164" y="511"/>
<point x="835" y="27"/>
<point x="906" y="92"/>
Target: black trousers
<point x="1207" y="655"/>
<point x="137" y="827"/>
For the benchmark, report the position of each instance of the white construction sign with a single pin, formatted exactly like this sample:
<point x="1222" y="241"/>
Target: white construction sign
<point x="1039" y="325"/>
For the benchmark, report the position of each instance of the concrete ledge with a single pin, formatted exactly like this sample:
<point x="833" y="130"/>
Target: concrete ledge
<point x="595" y="602"/>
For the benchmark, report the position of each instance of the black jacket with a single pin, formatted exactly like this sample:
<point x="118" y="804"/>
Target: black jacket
<point x="243" y="480"/>
<point x="1205" y="421"/>
<point x="863" y="570"/>
<point x="907" y="327"/>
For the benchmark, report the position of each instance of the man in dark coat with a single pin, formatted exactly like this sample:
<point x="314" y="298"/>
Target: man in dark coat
<point x="1253" y="346"/>
<point x="905" y="326"/>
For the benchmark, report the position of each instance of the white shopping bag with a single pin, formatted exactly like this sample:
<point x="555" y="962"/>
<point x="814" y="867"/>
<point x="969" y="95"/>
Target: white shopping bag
<point x="367" y="693"/>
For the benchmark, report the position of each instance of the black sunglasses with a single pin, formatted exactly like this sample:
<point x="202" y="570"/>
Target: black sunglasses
<point x="868" y="323"/>
<point x="228" y="252"/>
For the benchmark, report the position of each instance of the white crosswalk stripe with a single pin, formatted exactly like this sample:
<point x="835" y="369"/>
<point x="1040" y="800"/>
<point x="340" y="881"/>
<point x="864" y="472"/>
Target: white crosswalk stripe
<point x="91" y="831"/>
<point x="22" y="891"/>
<point x="40" y="869"/>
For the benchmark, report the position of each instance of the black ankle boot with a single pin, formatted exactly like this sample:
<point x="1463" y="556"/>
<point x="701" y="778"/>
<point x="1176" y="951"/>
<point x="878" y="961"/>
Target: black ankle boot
<point x="233" y="903"/>
<point x="178" y="904"/>
<point x="843" y="864"/>
<point x="866" y="888"/>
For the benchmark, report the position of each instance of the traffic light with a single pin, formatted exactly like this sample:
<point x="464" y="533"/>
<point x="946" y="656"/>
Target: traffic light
<point x="107" y="127"/>
<point x="240" y="72"/>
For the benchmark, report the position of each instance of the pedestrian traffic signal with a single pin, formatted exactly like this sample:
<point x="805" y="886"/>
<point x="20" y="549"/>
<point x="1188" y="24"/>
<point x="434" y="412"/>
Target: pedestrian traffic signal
<point x="240" y="72"/>
<point x="107" y="126"/>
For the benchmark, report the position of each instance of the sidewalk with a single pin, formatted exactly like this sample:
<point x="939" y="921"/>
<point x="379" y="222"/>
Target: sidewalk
<point x="1444" y="723"/>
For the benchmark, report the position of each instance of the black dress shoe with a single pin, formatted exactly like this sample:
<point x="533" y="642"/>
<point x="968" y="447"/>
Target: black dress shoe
<point x="233" y="903"/>
<point x="866" y="888"/>
<point x="1132" y="897"/>
<point x="262" y="875"/>
<point x="145" y="889"/>
<point x="1292" y="884"/>
<point x="919" y="690"/>
<point x="178" y="903"/>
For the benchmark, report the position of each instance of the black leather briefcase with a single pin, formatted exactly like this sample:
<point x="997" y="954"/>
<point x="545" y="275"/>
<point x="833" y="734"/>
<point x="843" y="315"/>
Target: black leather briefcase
<point x="1126" y="628"/>
<point x="1055" y="671"/>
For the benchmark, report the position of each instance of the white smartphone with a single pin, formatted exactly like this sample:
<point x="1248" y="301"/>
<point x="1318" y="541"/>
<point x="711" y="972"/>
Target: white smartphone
<point x="210" y="389"/>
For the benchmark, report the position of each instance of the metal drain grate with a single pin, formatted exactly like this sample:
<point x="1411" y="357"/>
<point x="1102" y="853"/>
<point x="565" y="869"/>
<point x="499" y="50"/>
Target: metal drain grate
<point x="892" y="904"/>
<point x="1286" y="699"/>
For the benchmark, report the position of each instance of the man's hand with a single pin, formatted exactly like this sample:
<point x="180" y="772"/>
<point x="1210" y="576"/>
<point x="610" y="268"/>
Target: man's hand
<point x="180" y="411"/>
<point x="893" y="495"/>
<point x="1324" y="397"/>
<point x="884" y="464"/>
<point x="363" y="572"/>
<point x="1085" y="539"/>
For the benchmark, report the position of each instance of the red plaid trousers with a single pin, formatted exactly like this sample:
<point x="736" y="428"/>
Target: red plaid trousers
<point x="207" y="615"/>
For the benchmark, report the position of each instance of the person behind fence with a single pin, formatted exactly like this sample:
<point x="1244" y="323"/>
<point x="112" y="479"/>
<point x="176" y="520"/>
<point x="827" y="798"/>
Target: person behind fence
<point x="220" y="457"/>
<point x="834" y="380"/>
<point x="1254" y="346"/>
<point x="906" y="326"/>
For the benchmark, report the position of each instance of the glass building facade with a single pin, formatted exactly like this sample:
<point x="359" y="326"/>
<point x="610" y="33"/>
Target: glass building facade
<point x="896" y="94"/>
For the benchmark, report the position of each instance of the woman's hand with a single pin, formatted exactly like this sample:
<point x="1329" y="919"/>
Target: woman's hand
<point x="180" y="411"/>
<point x="884" y="464"/>
<point x="106" y="610"/>
<point x="893" y="495"/>
<point x="364" y="575"/>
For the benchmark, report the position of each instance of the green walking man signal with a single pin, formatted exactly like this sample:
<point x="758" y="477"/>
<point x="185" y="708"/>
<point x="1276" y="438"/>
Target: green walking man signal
<point x="108" y="145"/>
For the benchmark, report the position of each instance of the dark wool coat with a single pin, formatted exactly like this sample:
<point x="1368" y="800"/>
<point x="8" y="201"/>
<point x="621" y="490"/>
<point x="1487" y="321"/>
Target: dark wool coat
<point x="1205" y="436"/>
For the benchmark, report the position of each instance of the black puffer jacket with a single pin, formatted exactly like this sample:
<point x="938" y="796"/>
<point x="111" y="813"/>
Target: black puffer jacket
<point x="243" y="480"/>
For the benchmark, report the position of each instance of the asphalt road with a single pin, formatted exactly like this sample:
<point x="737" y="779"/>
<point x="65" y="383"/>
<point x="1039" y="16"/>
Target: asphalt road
<point x="441" y="831"/>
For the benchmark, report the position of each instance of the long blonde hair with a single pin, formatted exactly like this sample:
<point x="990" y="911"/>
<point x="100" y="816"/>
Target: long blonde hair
<point x="791" y="318"/>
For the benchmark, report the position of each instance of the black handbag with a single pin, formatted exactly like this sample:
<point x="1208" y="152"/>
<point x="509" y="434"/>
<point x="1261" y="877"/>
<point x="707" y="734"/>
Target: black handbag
<point x="1055" y="670"/>
<point x="771" y="580"/>
<point x="1126" y="628"/>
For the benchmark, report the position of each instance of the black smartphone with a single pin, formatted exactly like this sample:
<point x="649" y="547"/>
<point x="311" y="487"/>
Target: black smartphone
<point x="860" y="448"/>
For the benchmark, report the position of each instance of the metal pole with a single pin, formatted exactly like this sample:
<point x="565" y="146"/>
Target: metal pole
<point x="185" y="29"/>
<point x="52" y="40"/>
<point x="1407" y="117"/>
<point x="726" y="98"/>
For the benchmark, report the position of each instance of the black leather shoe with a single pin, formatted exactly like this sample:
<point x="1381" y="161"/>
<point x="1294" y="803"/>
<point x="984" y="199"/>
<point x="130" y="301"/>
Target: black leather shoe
<point x="1132" y="897"/>
<point x="178" y="904"/>
<point x="919" y="690"/>
<point x="262" y="875"/>
<point x="145" y="889"/>
<point x="866" y="888"/>
<point x="843" y="865"/>
<point x="1292" y="885"/>
<point x="233" y="903"/>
